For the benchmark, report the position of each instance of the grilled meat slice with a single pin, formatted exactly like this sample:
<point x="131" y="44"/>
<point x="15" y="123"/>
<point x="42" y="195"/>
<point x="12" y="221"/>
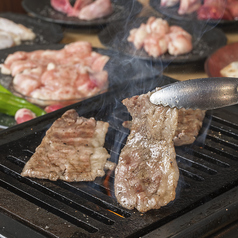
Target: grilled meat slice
<point x="147" y="174"/>
<point x="72" y="150"/>
<point x="189" y="124"/>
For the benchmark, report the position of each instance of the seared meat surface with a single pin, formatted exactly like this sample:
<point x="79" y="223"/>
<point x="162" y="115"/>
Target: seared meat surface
<point x="189" y="124"/>
<point x="147" y="174"/>
<point x="72" y="150"/>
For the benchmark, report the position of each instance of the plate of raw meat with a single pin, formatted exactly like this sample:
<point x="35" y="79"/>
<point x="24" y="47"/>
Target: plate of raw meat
<point x="183" y="42"/>
<point x="16" y="29"/>
<point x="65" y="74"/>
<point x="70" y="13"/>
<point x="213" y="12"/>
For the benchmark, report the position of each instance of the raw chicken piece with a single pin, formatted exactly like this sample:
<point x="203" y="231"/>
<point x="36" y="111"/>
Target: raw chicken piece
<point x="157" y="25"/>
<point x="137" y="36"/>
<point x="157" y="37"/>
<point x="84" y="9"/>
<point x="155" y="45"/>
<point x="17" y="31"/>
<point x="26" y="83"/>
<point x="188" y="6"/>
<point x="97" y="9"/>
<point x="6" y="40"/>
<point x="168" y="3"/>
<point x="20" y="65"/>
<point x="179" y="41"/>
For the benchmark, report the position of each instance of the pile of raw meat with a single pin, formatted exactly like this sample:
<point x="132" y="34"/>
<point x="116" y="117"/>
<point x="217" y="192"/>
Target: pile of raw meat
<point x="73" y="72"/>
<point x="210" y="9"/>
<point x="12" y="34"/>
<point x="156" y="37"/>
<point x="84" y="9"/>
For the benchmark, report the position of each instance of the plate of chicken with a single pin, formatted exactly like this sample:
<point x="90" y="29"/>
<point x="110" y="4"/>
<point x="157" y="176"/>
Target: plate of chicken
<point x="213" y="12"/>
<point x="83" y="13"/>
<point x="160" y="40"/>
<point x="17" y="29"/>
<point x="64" y="74"/>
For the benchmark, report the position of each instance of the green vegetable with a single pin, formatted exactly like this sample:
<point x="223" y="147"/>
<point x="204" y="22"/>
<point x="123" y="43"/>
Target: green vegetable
<point x="10" y="104"/>
<point x="4" y="90"/>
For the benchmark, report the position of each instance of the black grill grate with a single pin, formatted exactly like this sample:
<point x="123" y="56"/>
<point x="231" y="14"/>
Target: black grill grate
<point x="208" y="168"/>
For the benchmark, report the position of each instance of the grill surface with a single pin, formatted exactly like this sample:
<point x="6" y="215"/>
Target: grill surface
<point x="208" y="170"/>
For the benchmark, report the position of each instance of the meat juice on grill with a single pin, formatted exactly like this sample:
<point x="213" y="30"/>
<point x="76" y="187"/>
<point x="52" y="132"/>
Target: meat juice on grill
<point x="72" y="150"/>
<point x="147" y="174"/>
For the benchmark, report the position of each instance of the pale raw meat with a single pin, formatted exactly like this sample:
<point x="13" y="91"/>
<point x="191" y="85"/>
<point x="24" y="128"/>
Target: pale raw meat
<point x="179" y="41"/>
<point x="147" y="174"/>
<point x="72" y="150"/>
<point x="73" y="72"/>
<point x="155" y="45"/>
<point x="156" y="37"/>
<point x="17" y="31"/>
<point x="84" y="9"/>
<point x="188" y="6"/>
<point x="80" y="4"/>
<point x="6" y="40"/>
<point x="157" y="25"/>
<point x="168" y="3"/>
<point x="97" y="9"/>
<point x="137" y="36"/>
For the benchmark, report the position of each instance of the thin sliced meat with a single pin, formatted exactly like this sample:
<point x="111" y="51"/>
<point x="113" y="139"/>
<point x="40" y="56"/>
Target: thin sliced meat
<point x="72" y="150"/>
<point x="147" y="174"/>
<point x="189" y="124"/>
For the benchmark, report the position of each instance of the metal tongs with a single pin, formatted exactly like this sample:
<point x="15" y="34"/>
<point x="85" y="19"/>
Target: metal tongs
<point x="204" y="93"/>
